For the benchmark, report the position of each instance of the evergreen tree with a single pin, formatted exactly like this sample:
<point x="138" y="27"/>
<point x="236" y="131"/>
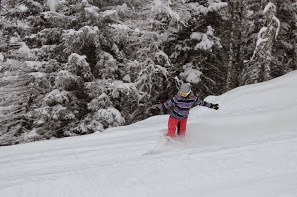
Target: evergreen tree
<point x="89" y="65"/>
<point x="259" y="66"/>
<point x="251" y="22"/>
<point x="284" y="58"/>
<point x="195" y="48"/>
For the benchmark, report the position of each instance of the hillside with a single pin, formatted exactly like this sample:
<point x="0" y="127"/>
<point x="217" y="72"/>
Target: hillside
<point x="248" y="148"/>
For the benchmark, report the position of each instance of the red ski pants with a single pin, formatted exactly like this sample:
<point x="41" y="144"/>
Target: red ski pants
<point x="172" y="124"/>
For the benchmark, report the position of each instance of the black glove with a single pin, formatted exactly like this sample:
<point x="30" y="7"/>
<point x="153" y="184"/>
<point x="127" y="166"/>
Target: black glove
<point x="214" y="106"/>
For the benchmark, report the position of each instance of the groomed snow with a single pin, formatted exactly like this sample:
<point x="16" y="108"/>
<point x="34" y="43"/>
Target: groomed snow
<point x="246" y="149"/>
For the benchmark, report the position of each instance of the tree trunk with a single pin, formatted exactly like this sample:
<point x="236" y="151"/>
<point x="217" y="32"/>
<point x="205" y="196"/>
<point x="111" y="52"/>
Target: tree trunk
<point x="234" y="45"/>
<point x="230" y="66"/>
<point x="294" y="21"/>
<point x="271" y="36"/>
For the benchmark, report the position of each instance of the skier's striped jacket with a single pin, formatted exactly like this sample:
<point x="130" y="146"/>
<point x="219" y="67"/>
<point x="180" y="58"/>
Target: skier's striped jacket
<point x="180" y="106"/>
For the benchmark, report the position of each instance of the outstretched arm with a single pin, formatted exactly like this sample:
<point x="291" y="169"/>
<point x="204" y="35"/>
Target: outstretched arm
<point x="201" y="102"/>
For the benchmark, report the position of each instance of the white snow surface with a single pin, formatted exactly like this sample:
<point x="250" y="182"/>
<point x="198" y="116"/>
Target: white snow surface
<point x="247" y="148"/>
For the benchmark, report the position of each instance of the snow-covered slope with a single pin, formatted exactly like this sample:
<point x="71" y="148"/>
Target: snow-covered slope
<point x="248" y="148"/>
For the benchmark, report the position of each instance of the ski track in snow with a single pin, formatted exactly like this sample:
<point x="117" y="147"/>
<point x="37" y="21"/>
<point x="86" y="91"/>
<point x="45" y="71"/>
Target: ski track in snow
<point x="215" y="166"/>
<point x="248" y="148"/>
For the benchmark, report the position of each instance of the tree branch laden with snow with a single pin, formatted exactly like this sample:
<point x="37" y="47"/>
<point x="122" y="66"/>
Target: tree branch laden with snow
<point x="260" y="62"/>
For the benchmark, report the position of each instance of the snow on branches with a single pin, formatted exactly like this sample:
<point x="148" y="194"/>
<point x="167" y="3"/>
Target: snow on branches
<point x="58" y="96"/>
<point x="109" y="117"/>
<point x="198" y="8"/>
<point x="78" y="65"/>
<point x="207" y="40"/>
<point x="68" y="81"/>
<point x="54" y="5"/>
<point x="77" y="40"/>
<point x="260" y="62"/>
<point x="190" y="74"/>
<point x="269" y="31"/>
<point x="103" y="101"/>
<point x="159" y="6"/>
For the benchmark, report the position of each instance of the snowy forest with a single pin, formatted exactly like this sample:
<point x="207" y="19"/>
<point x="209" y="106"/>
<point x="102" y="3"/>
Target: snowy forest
<point x="75" y="67"/>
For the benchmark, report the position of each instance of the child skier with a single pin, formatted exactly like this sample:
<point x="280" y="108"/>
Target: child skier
<point x="180" y="106"/>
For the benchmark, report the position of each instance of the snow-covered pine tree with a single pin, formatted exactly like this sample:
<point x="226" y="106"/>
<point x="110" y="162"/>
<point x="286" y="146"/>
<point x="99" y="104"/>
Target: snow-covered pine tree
<point x="137" y="44"/>
<point x="285" y="54"/>
<point x="252" y="20"/>
<point x="22" y="90"/>
<point x="259" y="67"/>
<point x="53" y="118"/>
<point x="63" y="107"/>
<point x="194" y="46"/>
<point x="33" y="80"/>
<point x="104" y="62"/>
<point x="57" y="36"/>
<point x="22" y="9"/>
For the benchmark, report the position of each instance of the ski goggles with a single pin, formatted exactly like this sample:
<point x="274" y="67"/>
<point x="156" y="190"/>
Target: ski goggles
<point x="184" y="94"/>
